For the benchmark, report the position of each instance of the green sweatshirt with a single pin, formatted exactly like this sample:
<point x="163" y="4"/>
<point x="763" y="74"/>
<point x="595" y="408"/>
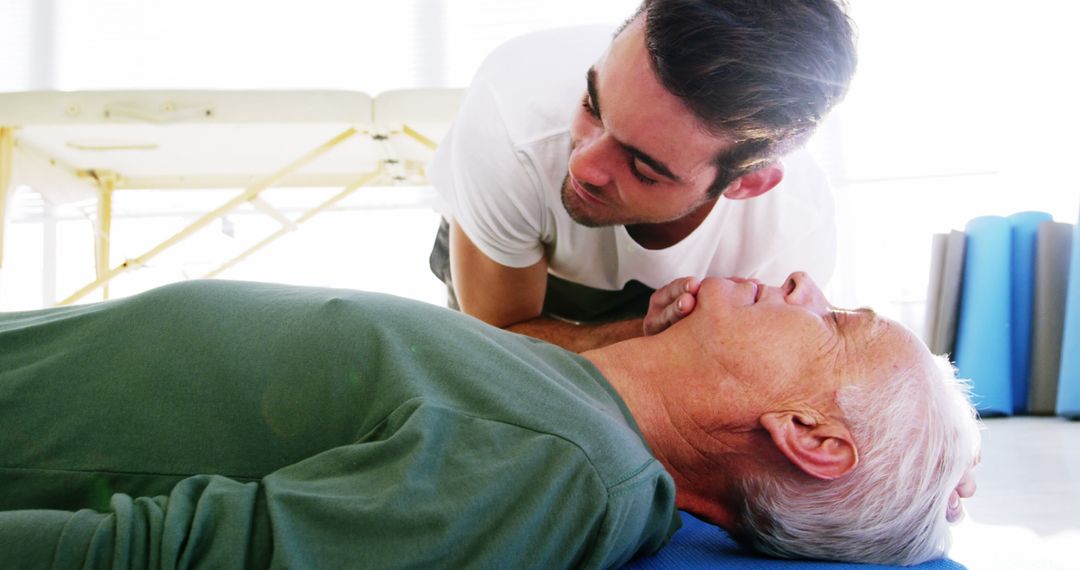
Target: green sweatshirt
<point x="229" y="425"/>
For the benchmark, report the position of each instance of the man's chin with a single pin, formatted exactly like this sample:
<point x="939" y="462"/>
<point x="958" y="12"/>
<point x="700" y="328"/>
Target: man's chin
<point x="585" y="221"/>
<point x="576" y="209"/>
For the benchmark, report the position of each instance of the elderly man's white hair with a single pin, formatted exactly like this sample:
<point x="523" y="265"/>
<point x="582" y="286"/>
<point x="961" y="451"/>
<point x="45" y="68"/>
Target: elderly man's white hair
<point x="915" y="439"/>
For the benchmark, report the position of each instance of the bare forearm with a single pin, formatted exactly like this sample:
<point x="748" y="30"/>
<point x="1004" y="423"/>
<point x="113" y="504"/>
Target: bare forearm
<point x="578" y="338"/>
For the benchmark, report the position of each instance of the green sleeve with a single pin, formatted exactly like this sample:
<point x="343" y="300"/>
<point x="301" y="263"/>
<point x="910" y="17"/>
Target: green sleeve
<point x="204" y="520"/>
<point x="505" y="496"/>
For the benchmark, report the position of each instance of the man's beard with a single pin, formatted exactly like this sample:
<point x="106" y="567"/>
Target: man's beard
<point x="576" y="208"/>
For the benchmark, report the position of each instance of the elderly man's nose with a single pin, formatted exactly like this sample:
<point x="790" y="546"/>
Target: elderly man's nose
<point x="800" y="289"/>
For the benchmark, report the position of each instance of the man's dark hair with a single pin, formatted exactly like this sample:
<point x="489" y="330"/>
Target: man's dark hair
<point x="762" y="73"/>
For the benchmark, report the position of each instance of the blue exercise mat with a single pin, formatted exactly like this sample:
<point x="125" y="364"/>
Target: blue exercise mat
<point x="701" y="545"/>
<point x="1025" y="231"/>
<point x="983" y="336"/>
<point x="1068" y="399"/>
<point x="1052" y="255"/>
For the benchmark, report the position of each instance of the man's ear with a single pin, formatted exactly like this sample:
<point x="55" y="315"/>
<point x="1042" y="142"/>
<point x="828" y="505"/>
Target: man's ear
<point x="755" y="183"/>
<point x="824" y="450"/>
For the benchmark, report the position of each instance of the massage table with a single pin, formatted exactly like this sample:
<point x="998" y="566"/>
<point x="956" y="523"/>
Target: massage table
<point x="81" y="146"/>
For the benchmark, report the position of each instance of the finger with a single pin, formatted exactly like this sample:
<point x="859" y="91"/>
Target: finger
<point x="674" y="312"/>
<point x="955" y="509"/>
<point x="656" y="322"/>
<point x="669" y="294"/>
<point x="966" y="487"/>
<point x="682" y="306"/>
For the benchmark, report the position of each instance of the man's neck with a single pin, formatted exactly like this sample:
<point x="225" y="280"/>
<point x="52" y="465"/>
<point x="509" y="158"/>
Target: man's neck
<point x="646" y="385"/>
<point x="667" y="234"/>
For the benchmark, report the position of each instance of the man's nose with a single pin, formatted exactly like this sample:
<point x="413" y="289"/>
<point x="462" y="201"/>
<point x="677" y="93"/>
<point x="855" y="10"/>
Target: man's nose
<point x="800" y="289"/>
<point x="590" y="161"/>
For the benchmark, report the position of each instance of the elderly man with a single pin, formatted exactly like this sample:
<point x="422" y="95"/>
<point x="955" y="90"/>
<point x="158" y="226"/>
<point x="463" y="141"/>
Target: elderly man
<point x="237" y="424"/>
<point x="585" y="172"/>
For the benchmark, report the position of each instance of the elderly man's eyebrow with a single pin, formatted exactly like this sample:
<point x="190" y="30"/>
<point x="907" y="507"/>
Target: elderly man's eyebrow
<point x="867" y="317"/>
<point x="657" y="166"/>
<point x="864" y="310"/>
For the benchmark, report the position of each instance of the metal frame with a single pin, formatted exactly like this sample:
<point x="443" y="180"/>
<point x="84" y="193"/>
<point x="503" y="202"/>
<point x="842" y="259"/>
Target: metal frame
<point x="103" y="232"/>
<point x="7" y="151"/>
<point x="248" y="194"/>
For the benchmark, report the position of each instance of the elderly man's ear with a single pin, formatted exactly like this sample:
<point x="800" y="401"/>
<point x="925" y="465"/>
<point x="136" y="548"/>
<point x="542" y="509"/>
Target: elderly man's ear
<point x="821" y="448"/>
<point x="755" y="183"/>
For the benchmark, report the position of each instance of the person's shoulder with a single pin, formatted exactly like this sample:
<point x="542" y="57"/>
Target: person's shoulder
<point x="525" y="93"/>
<point x="538" y="50"/>
<point x="803" y="175"/>
<point x="794" y="223"/>
<point x="804" y="190"/>
<point x="800" y="204"/>
<point x="542" y="66"/>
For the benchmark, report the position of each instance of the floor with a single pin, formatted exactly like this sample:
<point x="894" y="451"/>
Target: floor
<point x="1026" y="512"/>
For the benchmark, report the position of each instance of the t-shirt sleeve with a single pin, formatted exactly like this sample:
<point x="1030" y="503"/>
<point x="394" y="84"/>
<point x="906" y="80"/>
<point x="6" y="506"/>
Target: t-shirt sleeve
<point x="486" y="185"/>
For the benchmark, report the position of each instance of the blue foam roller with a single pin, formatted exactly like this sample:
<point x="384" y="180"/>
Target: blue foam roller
<point x="1025" y="230"/>
<point x="1068" y="400"/>
<point x="983" y="341"/>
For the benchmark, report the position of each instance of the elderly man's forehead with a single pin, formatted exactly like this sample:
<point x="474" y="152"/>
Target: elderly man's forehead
<point x="875" y="343"/>
<point x="897" y="349"/>
<point x="866" y="325"/>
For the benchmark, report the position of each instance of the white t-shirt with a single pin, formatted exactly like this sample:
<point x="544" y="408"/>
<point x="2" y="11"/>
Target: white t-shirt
<point x="499" y="171"/>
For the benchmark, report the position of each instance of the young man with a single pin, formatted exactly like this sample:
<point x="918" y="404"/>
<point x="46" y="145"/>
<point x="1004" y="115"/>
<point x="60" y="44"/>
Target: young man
<point x="229" y="425"/>
<point x="583" y="173"/>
